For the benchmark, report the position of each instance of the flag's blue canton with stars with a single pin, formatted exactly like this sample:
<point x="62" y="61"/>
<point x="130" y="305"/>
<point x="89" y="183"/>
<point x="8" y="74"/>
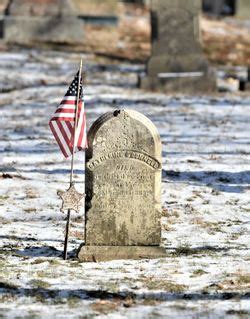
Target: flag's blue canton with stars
<point x="72" y="90"/>
<point x="62" y="122"/>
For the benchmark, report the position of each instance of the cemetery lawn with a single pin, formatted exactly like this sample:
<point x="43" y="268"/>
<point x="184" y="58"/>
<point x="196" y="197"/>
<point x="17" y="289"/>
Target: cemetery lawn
<point x="205" y="196"/>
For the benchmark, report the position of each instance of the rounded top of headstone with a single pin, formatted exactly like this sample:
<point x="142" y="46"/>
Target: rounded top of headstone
<point x="125" y="128"/>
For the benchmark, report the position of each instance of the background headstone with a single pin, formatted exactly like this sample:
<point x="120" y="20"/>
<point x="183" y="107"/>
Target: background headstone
<point x="123" y="188"/>
<point x="28" y="21"/>
<point x="176" y="48"/>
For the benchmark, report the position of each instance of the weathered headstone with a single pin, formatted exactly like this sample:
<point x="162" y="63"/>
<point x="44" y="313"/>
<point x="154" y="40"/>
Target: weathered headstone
<point x="28" y="21"/>
<point x="123" y="189"/>
<point x="176" y="62"/>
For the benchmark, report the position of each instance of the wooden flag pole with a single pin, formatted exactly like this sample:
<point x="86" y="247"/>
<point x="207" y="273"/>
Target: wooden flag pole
<point x="72" y="162"/>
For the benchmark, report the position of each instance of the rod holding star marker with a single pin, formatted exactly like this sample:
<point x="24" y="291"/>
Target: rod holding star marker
<point x="68" y="126"/>
<point x="65" y="251"/>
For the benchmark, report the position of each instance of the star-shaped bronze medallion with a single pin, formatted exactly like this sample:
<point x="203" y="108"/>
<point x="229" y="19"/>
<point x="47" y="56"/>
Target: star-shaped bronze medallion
<point x="71" y="199"/>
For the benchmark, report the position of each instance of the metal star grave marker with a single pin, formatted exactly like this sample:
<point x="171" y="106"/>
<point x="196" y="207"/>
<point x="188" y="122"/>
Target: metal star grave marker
<point x="71" y="199"/>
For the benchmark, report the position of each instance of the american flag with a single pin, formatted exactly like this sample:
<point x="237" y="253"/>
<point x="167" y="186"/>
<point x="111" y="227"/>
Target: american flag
<point x="63" y="121"/>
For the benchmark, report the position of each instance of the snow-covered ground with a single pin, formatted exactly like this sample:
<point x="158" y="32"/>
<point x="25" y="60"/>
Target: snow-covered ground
<point x="205" y="195"/>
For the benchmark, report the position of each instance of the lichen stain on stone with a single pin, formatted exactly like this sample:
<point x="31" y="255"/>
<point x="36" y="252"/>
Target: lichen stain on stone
<point x="123" y="234"/>
<point x="108" y="229"/>
<point x="132" y="217"/>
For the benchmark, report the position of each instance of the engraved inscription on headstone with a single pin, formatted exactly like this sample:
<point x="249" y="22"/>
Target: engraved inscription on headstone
<point x="123" y="188"/>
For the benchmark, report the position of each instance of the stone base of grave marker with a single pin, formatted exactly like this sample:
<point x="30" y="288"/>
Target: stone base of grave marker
<point x="186" y="82"/>
<point x="49" y="21"/>
<point x="29" y="30"/>
<point x="123" y="189"/>
<point x="106" y="253"/>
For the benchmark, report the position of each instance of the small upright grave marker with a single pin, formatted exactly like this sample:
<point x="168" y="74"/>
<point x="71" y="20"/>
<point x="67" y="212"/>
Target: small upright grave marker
<point x="123" y="188"/>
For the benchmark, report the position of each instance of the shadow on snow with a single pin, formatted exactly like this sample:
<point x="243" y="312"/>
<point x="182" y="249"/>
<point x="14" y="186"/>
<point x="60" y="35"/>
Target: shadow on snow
<point x="83" y="294"/>
<point x="219" y="180"/>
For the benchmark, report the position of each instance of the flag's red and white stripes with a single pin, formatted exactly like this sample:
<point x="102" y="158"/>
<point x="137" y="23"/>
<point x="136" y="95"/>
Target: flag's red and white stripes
<point x="62" y="125"/>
